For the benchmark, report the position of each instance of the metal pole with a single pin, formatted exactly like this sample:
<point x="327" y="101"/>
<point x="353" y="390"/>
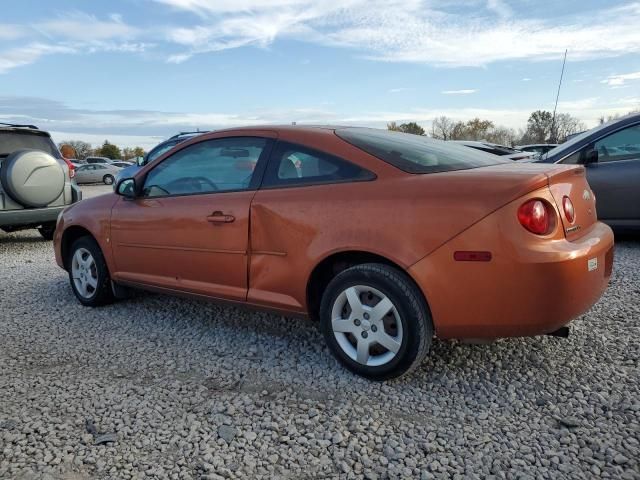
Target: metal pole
<point x="553" y="121"/>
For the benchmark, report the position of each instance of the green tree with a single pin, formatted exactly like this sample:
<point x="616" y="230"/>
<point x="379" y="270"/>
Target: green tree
<point x="109" y="150"/>
<point x="138" y="152"/>
<point x="411" y="127"/>
<point x="477" y="129"/>
<point x="539" y="127"/>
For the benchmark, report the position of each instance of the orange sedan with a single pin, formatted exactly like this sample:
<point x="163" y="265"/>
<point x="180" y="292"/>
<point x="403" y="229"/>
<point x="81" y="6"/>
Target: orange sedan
<point x="386" y="238"/>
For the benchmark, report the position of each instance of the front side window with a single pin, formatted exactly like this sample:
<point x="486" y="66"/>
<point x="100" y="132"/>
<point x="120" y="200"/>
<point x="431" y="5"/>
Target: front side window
<point x="155" y="153"/>
<point x="218" y="165"/>
<point x="622" y="145"/>
<point x="416" y="153"/>
<point x="293" y="164"/>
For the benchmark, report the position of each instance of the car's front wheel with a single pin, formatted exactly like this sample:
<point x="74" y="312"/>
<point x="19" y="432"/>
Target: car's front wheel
<point x="88" y="273"/>
<point x="108" y="179"/>
<point x="376" y="321"/>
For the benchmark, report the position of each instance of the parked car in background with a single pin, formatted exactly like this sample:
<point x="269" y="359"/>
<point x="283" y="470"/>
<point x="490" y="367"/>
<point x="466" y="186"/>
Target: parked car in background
<point x="97" y="173"/>
<point x="157" y="151"/>
<point x="421" y="237"/>
<point x="102" y="160"/>
<point x="36" y="182"/>
<point x="122" y="164"/>
<point x="536" y="148"/>
<point x="496" y="149"/>
<point x="610" y="154"/>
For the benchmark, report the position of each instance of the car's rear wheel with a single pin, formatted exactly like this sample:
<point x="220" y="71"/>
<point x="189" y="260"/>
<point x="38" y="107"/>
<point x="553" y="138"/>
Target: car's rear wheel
<point x="376" y="321"/>
<point x="47" y="230"/>
<point x="88" y="273"/>
<point x="108" y="179"/>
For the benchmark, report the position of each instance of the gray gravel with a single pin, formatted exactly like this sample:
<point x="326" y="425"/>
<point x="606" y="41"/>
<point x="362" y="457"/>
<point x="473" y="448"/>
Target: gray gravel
<point x="193" y="390"/>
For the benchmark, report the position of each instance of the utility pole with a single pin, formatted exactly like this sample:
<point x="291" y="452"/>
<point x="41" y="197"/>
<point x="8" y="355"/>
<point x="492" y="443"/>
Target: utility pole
<point x="553" y="121"/>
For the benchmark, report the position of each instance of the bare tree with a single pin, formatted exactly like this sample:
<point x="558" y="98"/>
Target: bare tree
<point x="442" y="128"/>
<point x="567" y="125"/>
<point x="503" y="136"/>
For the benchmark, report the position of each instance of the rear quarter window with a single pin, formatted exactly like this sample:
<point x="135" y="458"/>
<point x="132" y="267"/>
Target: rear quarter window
<point x="10" y="141"/>
<point x="415" y="153"/>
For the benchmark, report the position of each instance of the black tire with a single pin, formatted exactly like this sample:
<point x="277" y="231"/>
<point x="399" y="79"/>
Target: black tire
<point x="47" y="230"/>
<point x="103" y="294"/>
<point x="410" y="305"/>
<point x="108" y="179"/>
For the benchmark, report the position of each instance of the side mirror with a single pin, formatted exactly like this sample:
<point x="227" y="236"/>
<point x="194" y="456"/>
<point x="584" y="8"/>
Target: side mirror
<point x="591" y="155"/>
<point x="126" y="188"/>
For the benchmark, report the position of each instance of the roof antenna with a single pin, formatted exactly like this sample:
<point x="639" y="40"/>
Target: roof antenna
<point x="553" y="121"/>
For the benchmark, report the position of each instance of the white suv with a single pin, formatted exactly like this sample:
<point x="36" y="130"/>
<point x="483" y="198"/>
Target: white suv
<point x="36" y="182"/>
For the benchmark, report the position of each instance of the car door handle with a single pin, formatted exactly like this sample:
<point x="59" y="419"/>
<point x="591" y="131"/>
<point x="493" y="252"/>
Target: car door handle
<point x="219" y="217"/>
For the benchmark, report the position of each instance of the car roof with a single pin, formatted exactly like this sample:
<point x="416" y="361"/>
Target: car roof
<point x="583" y="139"/>
<point x="15" y="127"/>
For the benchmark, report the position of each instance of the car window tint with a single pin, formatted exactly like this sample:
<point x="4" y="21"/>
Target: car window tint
<point x="572" y="159"/>
<point x="10" y="141"/>
<point x="622" y="145"/>
<point x="293" y="164"/>
<point x="416" y="153"/>
<point x="160" y="150"/>
<point x="206" y="167"/>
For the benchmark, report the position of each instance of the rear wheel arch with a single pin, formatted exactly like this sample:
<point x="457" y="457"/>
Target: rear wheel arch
<point x="337" y="262"/>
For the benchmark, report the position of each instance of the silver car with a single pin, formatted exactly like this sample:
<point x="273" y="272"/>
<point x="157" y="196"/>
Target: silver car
<point x="97" y="173"/>
<point x="36" y="182"/>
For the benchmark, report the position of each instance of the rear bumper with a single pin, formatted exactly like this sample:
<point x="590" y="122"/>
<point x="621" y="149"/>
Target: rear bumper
<point x="37" y="216"/>
<point x="526" y="289"/>
<point x="29" y="216"/>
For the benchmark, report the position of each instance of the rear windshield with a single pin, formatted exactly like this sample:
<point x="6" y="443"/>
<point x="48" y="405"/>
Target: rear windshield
<point x="415" y="153"/>
<point x="10" y="141"/>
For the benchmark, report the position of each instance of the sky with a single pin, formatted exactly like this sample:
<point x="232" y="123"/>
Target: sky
<point x="138" y="71"/>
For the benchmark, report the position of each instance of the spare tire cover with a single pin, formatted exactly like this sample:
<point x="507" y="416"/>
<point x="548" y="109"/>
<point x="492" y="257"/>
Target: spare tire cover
<point x="32" y="178"/>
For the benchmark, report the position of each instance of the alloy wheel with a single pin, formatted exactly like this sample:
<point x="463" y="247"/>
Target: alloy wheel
<point x="366" y="325"/>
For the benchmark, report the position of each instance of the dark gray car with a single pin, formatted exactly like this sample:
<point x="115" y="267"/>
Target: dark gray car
<point x="611" y="156"/>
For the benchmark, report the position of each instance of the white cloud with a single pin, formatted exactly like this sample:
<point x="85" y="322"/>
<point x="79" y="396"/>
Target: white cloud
<point x="74" y="33"/>
<point x="526" y="79"/>
<point x="467" y="91"/>
<point x="130" y="127"/>
<point x="617" y="80"/>
<point x="399" y="90"/>
<point x="11" y="32"/>
<point x="20" y="56"/>
<point x="418" y="31"/>
<point x="79" y="26"/>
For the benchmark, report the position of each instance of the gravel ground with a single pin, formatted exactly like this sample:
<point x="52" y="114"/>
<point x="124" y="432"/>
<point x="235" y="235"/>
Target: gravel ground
<point x="193" y="390"/>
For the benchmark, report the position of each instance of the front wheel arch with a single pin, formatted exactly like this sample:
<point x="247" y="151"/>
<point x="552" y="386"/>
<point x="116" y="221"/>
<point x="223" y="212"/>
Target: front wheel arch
<point x="69" y="236"/>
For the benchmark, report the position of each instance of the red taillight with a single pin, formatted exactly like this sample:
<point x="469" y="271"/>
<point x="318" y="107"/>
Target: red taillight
<point x="72" y="167"/>
<point x="567" y="206"/>
<point x="535" y="216"/>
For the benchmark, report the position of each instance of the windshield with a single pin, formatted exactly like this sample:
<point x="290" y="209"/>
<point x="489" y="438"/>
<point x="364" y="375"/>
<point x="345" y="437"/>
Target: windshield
<point x="416" y="153"/>
<point x="567" y="146"/>
<point x="10" y="141"/>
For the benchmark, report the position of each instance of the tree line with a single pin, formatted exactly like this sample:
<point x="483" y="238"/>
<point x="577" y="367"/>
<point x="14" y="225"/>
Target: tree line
<point x="82" y="150"/>
<point x="542" y="127"/>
